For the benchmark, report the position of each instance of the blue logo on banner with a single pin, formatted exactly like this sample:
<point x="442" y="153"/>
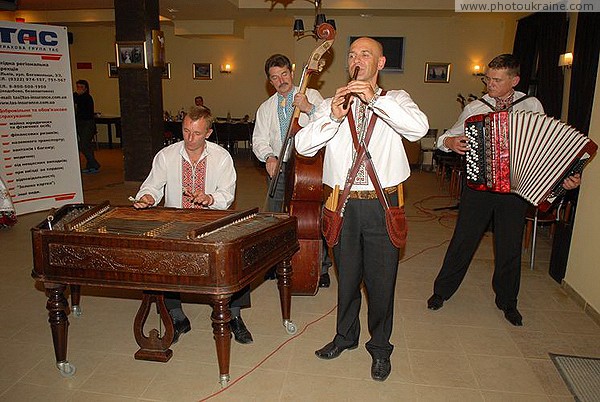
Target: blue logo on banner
<point x="28" y="36"/>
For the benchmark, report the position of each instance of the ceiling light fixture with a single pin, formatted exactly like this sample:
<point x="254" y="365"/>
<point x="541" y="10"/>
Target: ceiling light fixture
<point x="319" y="20"/>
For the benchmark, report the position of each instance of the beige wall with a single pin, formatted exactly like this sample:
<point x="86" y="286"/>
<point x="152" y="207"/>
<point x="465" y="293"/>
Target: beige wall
<point x="458" y="39"/>
<point x="583" y="268"/>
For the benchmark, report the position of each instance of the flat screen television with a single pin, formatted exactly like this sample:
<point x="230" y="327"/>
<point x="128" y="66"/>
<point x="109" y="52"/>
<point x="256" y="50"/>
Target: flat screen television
<point x="393" y="50"/>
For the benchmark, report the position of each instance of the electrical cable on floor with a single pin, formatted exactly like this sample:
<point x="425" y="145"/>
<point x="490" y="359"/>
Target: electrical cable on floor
<point x="277" y="349"/>
<point x="427" y="213"/>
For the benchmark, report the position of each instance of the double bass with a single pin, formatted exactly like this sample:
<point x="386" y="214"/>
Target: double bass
<point x="304" y="186"/>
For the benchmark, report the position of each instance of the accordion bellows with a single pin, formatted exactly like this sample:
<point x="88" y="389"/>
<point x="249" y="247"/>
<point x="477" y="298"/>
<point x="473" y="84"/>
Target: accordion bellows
<point x="525" y="153"/>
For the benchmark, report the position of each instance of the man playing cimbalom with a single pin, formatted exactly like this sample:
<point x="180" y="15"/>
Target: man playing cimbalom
<point x="194" y="173"/>
<point x="478" y="208"/>
<point x="365" y="253"/>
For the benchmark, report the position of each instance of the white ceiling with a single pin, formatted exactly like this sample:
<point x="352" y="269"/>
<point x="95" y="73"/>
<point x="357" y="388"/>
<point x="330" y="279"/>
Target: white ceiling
<point x="241" y="12"/>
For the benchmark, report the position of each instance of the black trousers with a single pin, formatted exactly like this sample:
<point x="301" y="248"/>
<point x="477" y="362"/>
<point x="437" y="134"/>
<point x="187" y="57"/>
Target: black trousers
<point x="275" y="203"/>
<point x="239" y="299"/>
<point x="85" y="133"/>
<point x="476" y="210"/>
<point x="366" y="255"/>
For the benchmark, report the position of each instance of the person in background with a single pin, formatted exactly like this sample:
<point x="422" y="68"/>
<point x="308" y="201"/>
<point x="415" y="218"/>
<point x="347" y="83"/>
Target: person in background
<point x="364" y="253"/>
<point x="199" y="101"/>
<point x="478" y="208"/>
<point x="194" y="173"/>
<point x="273" y="119"/>
<point x="85" y="125"/>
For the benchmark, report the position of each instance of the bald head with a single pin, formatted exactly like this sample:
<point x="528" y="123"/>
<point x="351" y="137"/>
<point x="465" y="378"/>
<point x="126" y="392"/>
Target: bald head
<point x="377" y="48"/>
<point x="367" y="54"/>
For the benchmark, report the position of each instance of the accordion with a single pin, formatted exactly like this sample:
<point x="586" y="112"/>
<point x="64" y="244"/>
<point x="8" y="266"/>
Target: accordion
<point x="525" y="153"/>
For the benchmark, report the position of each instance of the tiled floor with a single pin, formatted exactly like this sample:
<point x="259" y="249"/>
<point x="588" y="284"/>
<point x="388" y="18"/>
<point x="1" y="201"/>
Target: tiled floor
<point x="463" y="352"/>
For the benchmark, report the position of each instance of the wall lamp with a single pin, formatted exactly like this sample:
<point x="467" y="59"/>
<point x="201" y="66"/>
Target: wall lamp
<point x="565" y="60"/>
<point x="478" y="70"/>
<point x="319" y="19"/>
<point x="226" y="68"/>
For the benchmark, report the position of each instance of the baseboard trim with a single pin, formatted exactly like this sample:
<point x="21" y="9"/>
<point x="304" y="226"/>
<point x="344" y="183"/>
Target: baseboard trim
<point x="580" y="301"/>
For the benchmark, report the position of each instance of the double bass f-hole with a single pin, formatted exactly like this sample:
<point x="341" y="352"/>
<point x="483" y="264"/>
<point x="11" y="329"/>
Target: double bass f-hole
<point x="326" y="33"/>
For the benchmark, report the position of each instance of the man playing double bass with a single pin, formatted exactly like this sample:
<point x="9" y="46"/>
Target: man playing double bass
<point x="273" y="119"/>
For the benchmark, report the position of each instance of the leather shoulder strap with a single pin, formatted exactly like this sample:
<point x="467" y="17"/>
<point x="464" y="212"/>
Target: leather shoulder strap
<point x="361" y="154"/>
<point x="519" y="101"/>
<point x="488" y="104"/>
<point x="352" y="124"/>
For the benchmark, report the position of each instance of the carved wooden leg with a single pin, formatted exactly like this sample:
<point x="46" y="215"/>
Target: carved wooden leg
<point x="220" y="317"/>
<point x="153" y="347"/>
<point x="284" y="283"/>
<point x="59" y="324"/>
<point x="75" y="300"/>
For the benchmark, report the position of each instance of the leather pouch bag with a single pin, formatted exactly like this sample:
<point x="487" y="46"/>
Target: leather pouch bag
<point x="331" y="226"/>
<point x="395" y="222"/>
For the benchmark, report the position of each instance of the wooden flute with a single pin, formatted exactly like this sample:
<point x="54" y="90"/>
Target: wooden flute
<point x="348" y="96"/>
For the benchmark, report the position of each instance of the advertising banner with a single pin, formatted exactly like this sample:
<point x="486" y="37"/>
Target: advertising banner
<point x="38" y="142"/>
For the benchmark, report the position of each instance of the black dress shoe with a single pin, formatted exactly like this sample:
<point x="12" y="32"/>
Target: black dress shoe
<point x="381" y="368"/>
<point x="513" y="316"/>
<point x="271" y="275"/>
<point x="181" y="327"/>
<point x="324" y="280"/>
<point x="331" y="351"/>
<point x="240" y="332"/>
<point x="435" y="302"/>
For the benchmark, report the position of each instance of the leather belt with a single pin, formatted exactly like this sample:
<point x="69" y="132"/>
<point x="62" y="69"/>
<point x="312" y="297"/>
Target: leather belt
<point x="370" y="194"/>
<point x="361" y="195"/>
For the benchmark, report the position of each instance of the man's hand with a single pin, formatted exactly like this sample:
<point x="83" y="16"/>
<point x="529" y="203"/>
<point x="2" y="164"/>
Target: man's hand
<point x="302" y="103"/>
<point x="199" y="198"/>
<point x="337" y="103"/>
<point x="271" y="165"/>
<point x="361" y="89"/>
<point x="358" y="89"/>
<point x="457" y="144"/>
<point x="145" y="201"/>
<point x="572" y="182"/>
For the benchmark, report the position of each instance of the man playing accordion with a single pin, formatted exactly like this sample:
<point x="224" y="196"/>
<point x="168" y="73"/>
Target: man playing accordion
<point x="477" y="208"/>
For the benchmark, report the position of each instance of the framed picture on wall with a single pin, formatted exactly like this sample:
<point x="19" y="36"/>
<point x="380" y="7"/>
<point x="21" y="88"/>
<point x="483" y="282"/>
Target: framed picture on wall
<point x="158" y="48"/>
<point x="131" y="55"/>
<point x="437" y="72"/>
<point x="113" y="71"/>
<point x="166" y="71"/>
<point x="202" y="71"/>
